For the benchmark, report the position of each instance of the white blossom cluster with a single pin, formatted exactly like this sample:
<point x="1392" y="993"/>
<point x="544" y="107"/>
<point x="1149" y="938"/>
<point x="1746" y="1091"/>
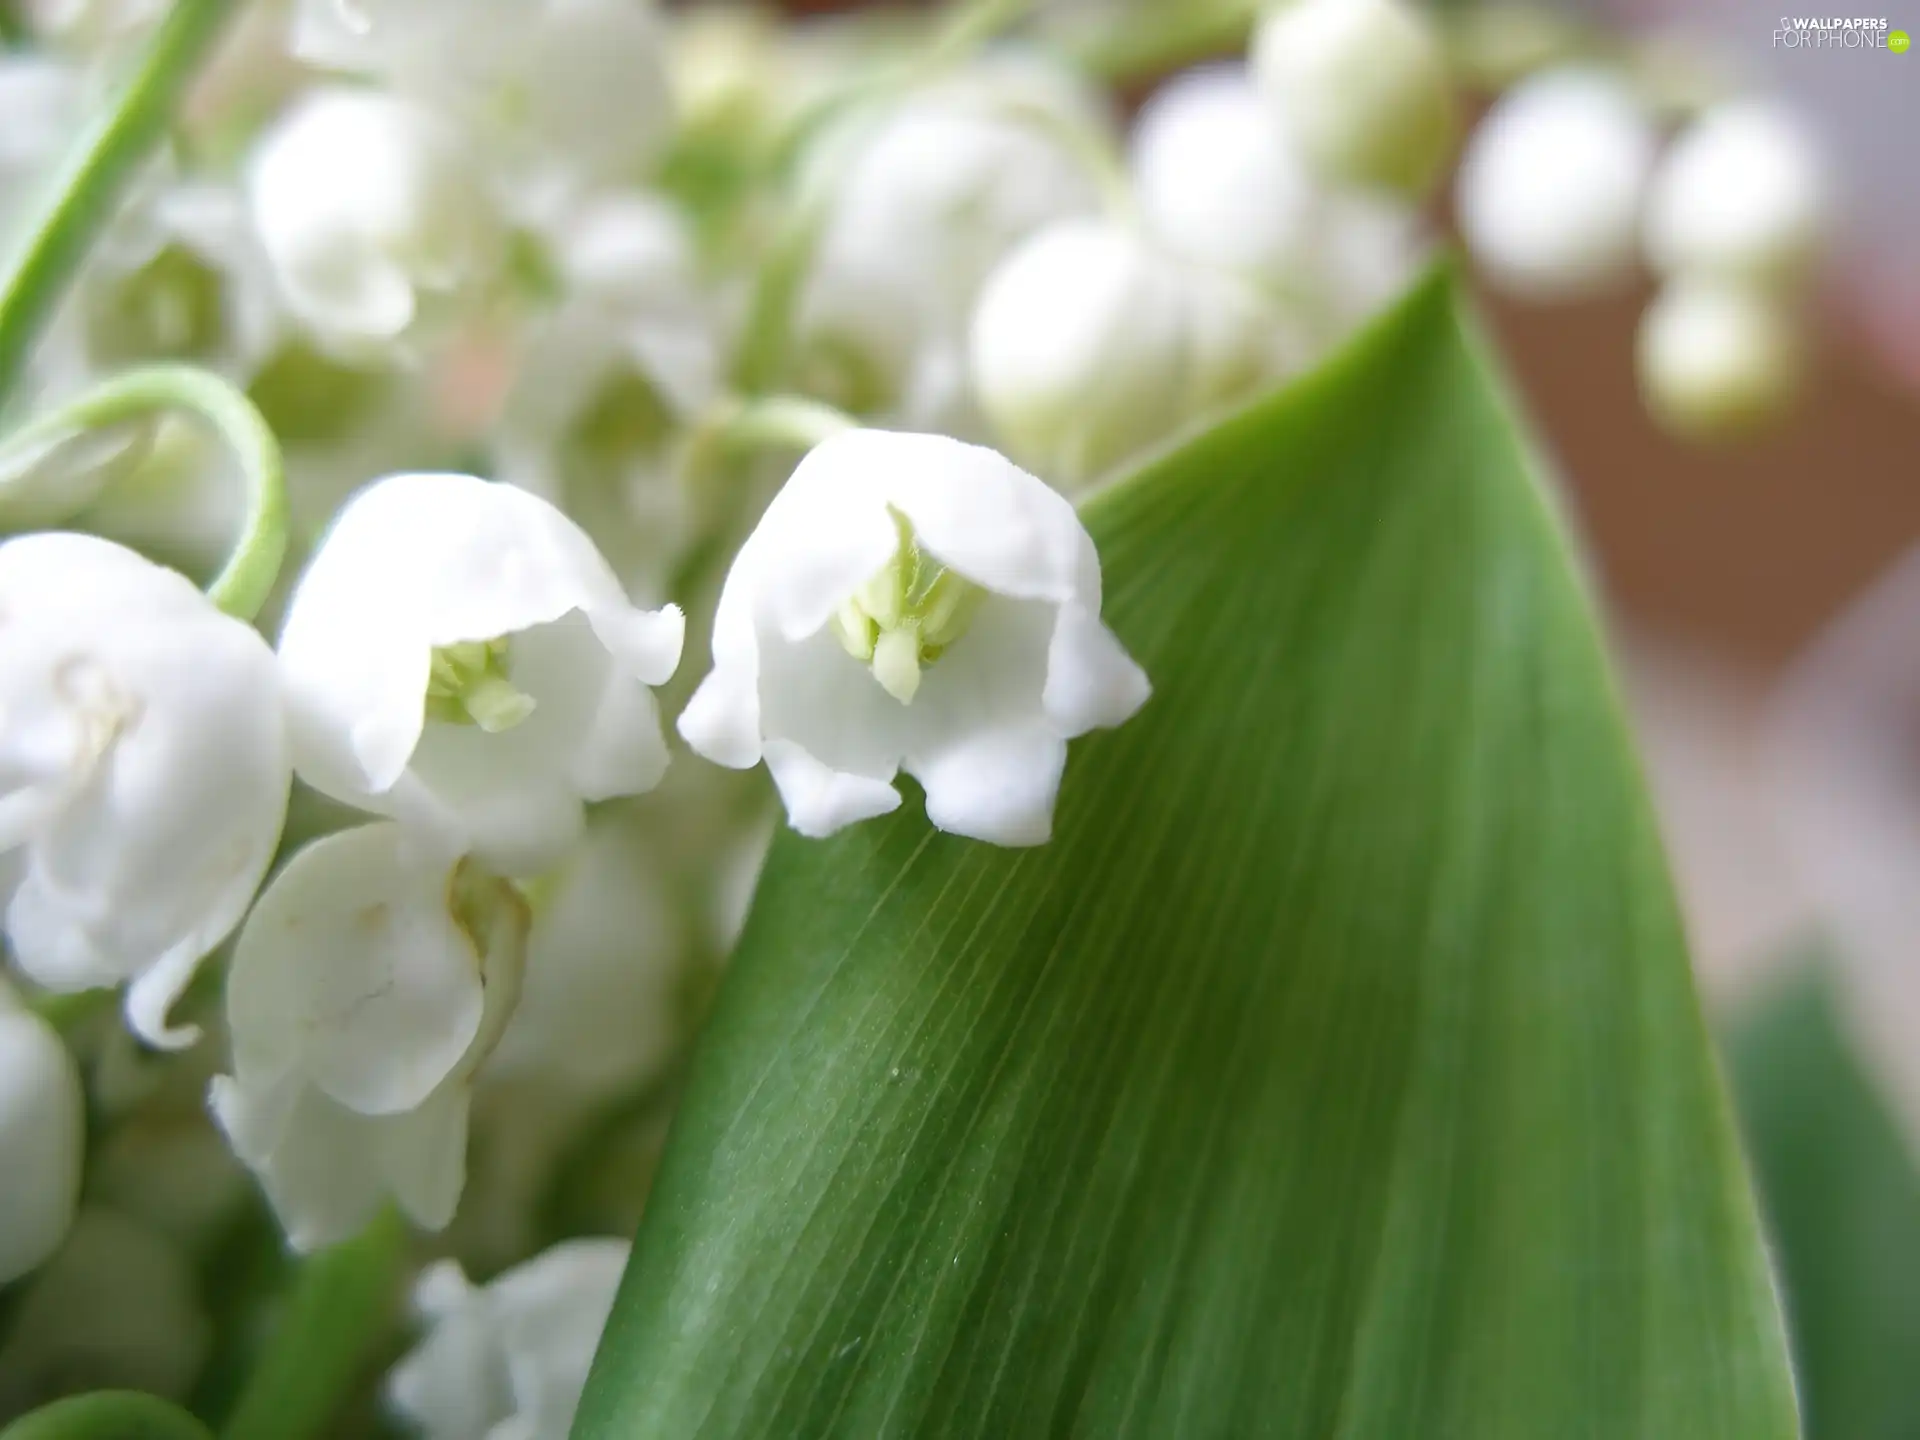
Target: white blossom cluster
<point x="541" y="298"/>
<point x="1564" y="189"/>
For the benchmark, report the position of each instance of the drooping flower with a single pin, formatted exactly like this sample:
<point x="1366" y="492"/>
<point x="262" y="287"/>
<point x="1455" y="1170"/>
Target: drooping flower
<point x="1551" y="187"/>
<point x="143" y="771"/>
<point x="508" y="1360"/>
<point x="912" y="602"/>
<point x="1090" y="344"/>
<point x="921" y="201"/>
<point x="1741" y="197"/>
<point x="42" y="1134"/>
<point x="372" y="980"/>
<point x="371" y="211"/>
<point x="458" y="654"/>
<point x="1364" y="88"/>
<point x="554" y="95"/>
<point x="1717" y="358"/>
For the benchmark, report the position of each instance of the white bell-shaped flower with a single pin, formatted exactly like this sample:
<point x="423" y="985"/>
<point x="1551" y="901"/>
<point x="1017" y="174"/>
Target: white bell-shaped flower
<point x="143" y="771"/>
<point x="1090" y="344"/>
<point x="912" y="602"/>
<point x="553" y="94"/>
<point x="371" y="981"/>
<point x="371" y="213"/>
<point x="458" y="654"/>
<point x="1551" y="187"/>
<point x="921" y="202"/>
<point x="599" y="1012"/>
<point x="42" y="1136"/>
<point x="1220" y="182"/>
<point x="1364" y="87"/>
<point x="508" y="1360"/>
<point x="1742" y="195"/>
<point x="42" y="103"/>
<point x="1717" y="359"/>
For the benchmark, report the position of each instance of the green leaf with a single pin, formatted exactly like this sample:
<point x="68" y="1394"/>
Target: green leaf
<point x="1843" y="1204"/>
<point x="1336" y="1071"/>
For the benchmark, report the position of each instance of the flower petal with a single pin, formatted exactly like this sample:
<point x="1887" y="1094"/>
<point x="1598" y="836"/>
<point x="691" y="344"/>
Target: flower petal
<point x="995" y="785"/>
<point x="1092" y="683"/>
<point x="820" y="801"/>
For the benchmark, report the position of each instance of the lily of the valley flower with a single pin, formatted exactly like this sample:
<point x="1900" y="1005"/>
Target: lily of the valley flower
<point x="42" y="1131"/>
<point x="459" y="654"/>
<point x="1551" y="186"/>
<point x="143" y="771"/>
<point x="1716" y="358"/>
<point x="1741" y="197"/>
<point x="369" y="209"/>
<point x="1090" y="344"/>
<point x="1364" y="88"/>
<point x="371" y="981"/>
<point x="508" y="1360"/>
<point x="553" y="94"/>
<point x="912" y="602"/>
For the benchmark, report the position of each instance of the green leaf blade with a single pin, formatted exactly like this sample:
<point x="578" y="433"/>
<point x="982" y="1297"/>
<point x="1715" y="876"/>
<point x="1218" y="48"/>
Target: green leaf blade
<point x="1335" y="1071"/>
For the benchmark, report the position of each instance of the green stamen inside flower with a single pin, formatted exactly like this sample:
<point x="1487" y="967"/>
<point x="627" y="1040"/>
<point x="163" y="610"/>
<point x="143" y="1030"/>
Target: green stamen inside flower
<point x="469" y="685"/>
<point x="906" y="615"/>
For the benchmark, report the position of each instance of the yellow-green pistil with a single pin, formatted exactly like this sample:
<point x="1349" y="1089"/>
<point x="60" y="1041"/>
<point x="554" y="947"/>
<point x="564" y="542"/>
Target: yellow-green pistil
<point x="906" y="615"/>
<point x="469" y="685"/>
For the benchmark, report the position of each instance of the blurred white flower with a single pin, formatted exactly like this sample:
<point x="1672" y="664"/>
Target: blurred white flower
<point x="42" y="103"/>
<point x="458" y="654"/>
<point x="1219" y="181"/>
<point x="1363" y="86"/>
<point x="598" y="1012"/>
<point x="553" y="95"/>
<point x="508" y="1360"/>
<point x="117" y="1308"/>
<point x="1741" y="196"/>
<point x="372" y="980"/>
<point x="1717" y="358"/>
<point x="181" y="276"/>
<point x="1090" y="344"/>
<point x="1550" y="190"/>
<point x="606" y="382"/>
<point x="922" y="201"/>
<point x="370" y="210"/>
<point x="143" y="771"/>
<point x="912" y="602"/>
<point x="42" y="1136"/>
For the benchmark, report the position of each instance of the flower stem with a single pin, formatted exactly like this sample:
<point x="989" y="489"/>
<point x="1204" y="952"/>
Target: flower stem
<point x="52" y="244"/>
<point x="108" y="1415"/>
<point x="242" y="587"/>
<point x="329" y="1328"/>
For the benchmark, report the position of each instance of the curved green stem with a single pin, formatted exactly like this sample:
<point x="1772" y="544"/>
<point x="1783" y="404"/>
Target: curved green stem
<point x="108" y="1415"/>
<point x="52" y="244"/>
<point x="243" y="586"/>
<point x="331" y="1325"/>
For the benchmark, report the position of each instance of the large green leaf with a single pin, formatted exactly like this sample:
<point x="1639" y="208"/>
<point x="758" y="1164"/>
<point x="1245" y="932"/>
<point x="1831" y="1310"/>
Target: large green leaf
<point x="1334" y="1072"/>
<point x="1842" y="1198"/>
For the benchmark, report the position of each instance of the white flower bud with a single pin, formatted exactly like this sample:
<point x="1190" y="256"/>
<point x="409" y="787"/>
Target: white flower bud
<point x="1716" y="359"/>
<point x="1364" y="86"/>
<point x="1089" y="345"/>
<point x="458" y="654"/>
<point x="42" y="104"/>
<point x="509" y="1358"/>
<point x="552" y="94"/>
<point x="911" y="602"/>
<point x="42" y="1136"/>
<point x="1742" y="195"/>
<point x="1550" y="188"/>
<point x="143" y="771"/>
<point x="372" y="980"/>
<point x="370" y="210"/>
<point x="921" y="203"/>
<point x="1220" y="183"/>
